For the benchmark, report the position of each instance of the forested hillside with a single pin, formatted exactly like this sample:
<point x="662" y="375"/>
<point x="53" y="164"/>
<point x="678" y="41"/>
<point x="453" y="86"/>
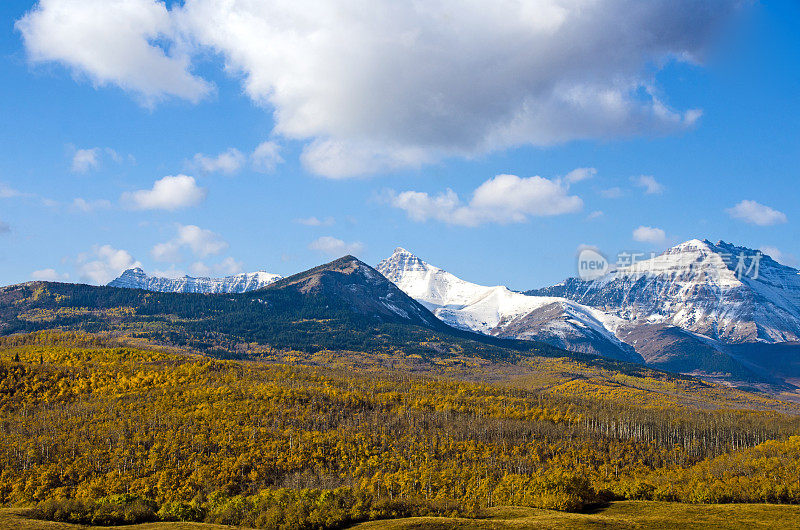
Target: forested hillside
<point x="283" y="316"/>
<point x="98" y="431"/>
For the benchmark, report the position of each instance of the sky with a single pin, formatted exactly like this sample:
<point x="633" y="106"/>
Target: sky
<point x="492" y="139"/>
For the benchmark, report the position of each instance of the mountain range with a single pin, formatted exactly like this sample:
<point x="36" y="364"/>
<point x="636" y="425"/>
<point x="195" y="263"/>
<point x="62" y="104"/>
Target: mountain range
<point x="692" y="309"/>
<point x="136" y="278"/>
<point x="344" y="307"/>
<point x="500" y="312"/>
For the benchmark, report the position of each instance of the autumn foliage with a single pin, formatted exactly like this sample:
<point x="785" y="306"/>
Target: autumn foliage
<point x="98" y="433"/>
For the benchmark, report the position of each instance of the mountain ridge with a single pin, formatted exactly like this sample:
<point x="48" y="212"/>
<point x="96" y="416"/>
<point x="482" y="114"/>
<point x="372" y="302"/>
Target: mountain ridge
<point x="500" y="312"/>
<point x="135" y="278"/>
<point x="697" y="308"/>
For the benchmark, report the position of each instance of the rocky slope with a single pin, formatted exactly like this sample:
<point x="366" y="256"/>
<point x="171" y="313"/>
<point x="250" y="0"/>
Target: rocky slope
<point x="348" y="281"/>
<point x="698" y="308"/>
<point x="696" y="286"/>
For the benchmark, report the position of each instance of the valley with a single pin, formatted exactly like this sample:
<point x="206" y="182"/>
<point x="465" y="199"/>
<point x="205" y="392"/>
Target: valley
<point x="335" y="397"/>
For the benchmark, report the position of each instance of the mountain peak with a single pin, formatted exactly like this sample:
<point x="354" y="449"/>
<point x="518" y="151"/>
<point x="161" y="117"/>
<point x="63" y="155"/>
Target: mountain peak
<point x="361" y="287"/>
<point x="402" y="261"/>
<point x="727" y="292"/>
<point x="497" y="311"/>
<point x="693" y="244"/>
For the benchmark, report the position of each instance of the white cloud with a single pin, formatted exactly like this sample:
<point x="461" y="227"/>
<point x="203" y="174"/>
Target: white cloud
<point x="314" y="221"/>
<point x="579" y="174"/>
<point x="595" y="215"/>
<point x="226" y="267"/>
<point x="649" y="234"/>
<point x="335" y="247"/>
<point x="585" y="246"/>
<point x="612" y="193"/>
<point x="49" y="275"/>
<point x="133" y="44"/>
<point x="199" y="268"/>
<point x="650" y="185"/>
<point x="266" y="157"/>
<point x="7" y="192"/>
<point x="104" y="263"/>
<point x="82" y="205"/>
<point x="756" y="213"/>
<point x="199" y="241"/>
<point x="85" y="160"/>
<point x="171" y="272"/>
<point x="502" y="199"/>
<point x="790" y="260"/>
<point x="229" y="266"/>
<point x="168" y="193"/>
<point x="90" y="159"/>
<point x="406" y="83"/>
<point x="229" y="161"/>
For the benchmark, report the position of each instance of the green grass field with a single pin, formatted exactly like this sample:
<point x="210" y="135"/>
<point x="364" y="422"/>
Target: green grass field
<point x="627" y="514"/>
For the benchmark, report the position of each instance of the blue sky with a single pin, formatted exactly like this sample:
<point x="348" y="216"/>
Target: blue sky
<point x="366" y="133"/>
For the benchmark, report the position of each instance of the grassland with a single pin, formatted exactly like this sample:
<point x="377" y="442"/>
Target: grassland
<point x="626" y="514"/>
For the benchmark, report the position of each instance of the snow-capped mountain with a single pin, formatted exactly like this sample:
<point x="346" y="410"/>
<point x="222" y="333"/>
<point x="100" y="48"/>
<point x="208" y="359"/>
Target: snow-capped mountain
<point x="504" y="313"/>
<point x="238" y="283"/>
<point x="722" y="291"/>
<point x="715" y="310"/>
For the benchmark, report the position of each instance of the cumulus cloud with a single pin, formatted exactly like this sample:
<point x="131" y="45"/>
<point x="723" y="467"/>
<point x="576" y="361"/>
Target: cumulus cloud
<point x="335" y="247"/>
<point x="49" y="275"/>
<point x="649" y="184"/>
<point x="314" y="221"/>
<point x="229" y="161"/>
<point x="579" y="174"/>
<point x="649" y="234"/>
<point x="407" y="83"/>
<point x="199" y="268"/>
<point x="266" y="157"/>
<point x="133" y="44"/>
<point x="200" y="241"/>
<point x="85" y="160"/>
<point x="168" y="193"/>
<point x="171" y="272"/>
<point x="104" y="263"/>
<point x="502" y="199"/>
<point x="756" y="213"/>
<point x="229" y="266"/>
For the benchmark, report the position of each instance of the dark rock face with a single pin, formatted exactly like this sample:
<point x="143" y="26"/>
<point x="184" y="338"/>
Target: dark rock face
<point x="356" y="284"/>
